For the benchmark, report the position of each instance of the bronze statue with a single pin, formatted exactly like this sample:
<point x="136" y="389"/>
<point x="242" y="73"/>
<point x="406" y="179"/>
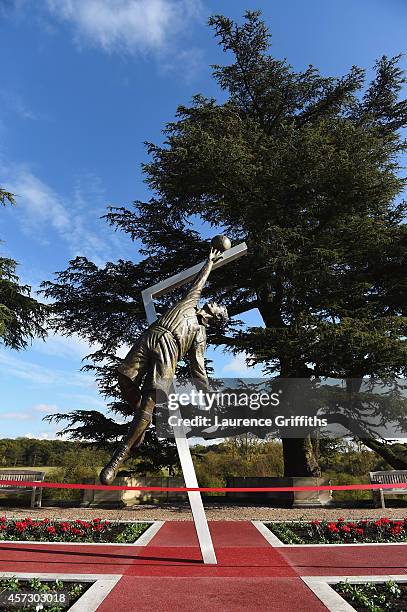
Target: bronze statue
<point x="151" y="362"/>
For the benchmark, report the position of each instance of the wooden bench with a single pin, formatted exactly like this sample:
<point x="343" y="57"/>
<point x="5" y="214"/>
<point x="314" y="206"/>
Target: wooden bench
<point x="391" y="477"/>
<point x="24" y="476"/>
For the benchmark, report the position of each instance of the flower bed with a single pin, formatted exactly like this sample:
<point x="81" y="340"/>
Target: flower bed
<point x="29" y="595"/>
<point x="341" y="531"/>
<point x="46" y="530"/>
<point x="374" y="596"/>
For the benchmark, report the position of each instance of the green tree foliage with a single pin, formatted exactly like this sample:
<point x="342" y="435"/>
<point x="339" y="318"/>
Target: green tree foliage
<point x="305" y="169"/>
<point x="341" y="461"/>
<point x="81" y="463"/>
<point x="241" y="456"/>
<point x="158" y="456"/>
<point x="6" y="197"/>
<point x="15" y="452"/>
<point x="21" y="316"/>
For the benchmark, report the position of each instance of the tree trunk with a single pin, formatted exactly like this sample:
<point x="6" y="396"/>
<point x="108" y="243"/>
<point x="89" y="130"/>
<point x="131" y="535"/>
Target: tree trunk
<point x="299" y="457"/>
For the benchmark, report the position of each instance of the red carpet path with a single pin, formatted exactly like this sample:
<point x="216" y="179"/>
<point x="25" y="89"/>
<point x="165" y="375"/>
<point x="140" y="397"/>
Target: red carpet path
<point x="168" y="574"/>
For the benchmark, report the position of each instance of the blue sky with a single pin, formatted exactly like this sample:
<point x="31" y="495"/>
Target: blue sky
<point x="83" y="84"/>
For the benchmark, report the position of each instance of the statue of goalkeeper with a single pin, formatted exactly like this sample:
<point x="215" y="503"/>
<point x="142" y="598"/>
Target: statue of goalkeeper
<point x="151" y="362"/>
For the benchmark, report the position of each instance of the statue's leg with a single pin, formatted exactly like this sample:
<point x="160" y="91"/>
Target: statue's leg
<point x="134" y="437"/>
<point x="130" y="390"/>
<point x="131" y="370"/>
<point x="157" y="358"/>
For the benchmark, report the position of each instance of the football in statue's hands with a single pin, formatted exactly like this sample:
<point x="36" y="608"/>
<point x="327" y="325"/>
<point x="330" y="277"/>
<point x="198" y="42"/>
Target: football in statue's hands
<point x="221" y="243"/>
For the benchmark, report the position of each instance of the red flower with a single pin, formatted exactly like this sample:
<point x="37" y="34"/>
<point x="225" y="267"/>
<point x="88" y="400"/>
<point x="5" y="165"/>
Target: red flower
<point x="3" y="519"/>
<point x="96" y="520"/>
<point x="76" y="531"/>
<point x="395" y="530"/>
<point x="341" y="519"/>
<point x="20" y="525"/>
<point x="360" y="531"/>
<point x="51" y="530"/>
<point x="345" y="529"/>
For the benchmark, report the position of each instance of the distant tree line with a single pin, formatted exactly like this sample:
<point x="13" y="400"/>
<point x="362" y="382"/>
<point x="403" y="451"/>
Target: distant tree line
<point x="31" y="453"/>
<point x="241" y="456"/>
<point x="341" y="461"/>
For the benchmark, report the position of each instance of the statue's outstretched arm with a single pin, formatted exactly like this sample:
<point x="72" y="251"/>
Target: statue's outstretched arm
<point x="195" y="291"/>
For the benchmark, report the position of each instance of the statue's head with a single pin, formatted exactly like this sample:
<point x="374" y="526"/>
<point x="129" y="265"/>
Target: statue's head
<point x="214" y="313"/>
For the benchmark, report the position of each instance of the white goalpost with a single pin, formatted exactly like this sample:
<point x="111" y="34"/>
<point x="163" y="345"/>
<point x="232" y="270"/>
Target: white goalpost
<point x="187" y="466"/>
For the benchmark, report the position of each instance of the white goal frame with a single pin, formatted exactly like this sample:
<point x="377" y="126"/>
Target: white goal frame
<point x="184" y="453"/>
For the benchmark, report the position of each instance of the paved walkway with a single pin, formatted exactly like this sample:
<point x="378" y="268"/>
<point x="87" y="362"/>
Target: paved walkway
<point x="168" y="574"/>
<point x="221" y="512"/>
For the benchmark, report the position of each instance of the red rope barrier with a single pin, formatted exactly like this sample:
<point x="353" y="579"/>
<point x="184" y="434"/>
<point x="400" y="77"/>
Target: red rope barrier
<point x="63" y="485"/>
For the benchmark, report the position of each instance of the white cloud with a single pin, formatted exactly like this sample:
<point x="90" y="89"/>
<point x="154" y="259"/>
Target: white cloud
<point x="75" y="219"/>
<point x="15" y="102"/>
<point x="126" y="26"/>
<point x="40" y="375"/>
<point x="41" y="206"/>
<point x="189" y="63"/>
<point x="31" y="436"/>
<point x="69" y="347"/>
<point x="238" y="366"/>
<point x="45" y="435"/>
<point x="16" y="416"/>
<point x="89" y="402"/>
<point x="46" y="408"/>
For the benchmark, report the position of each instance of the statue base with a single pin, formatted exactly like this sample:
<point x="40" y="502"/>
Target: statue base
<point x="130" y="498"/>
<point x="293" y="499"/>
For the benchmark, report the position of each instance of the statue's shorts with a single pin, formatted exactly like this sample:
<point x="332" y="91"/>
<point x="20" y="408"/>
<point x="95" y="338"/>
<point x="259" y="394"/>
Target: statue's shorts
<point x="151" y="362"/>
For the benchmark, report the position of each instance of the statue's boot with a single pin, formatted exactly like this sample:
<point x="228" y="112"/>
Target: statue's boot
<point x="133" y="439"/>
<point x="108" y="474"/>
